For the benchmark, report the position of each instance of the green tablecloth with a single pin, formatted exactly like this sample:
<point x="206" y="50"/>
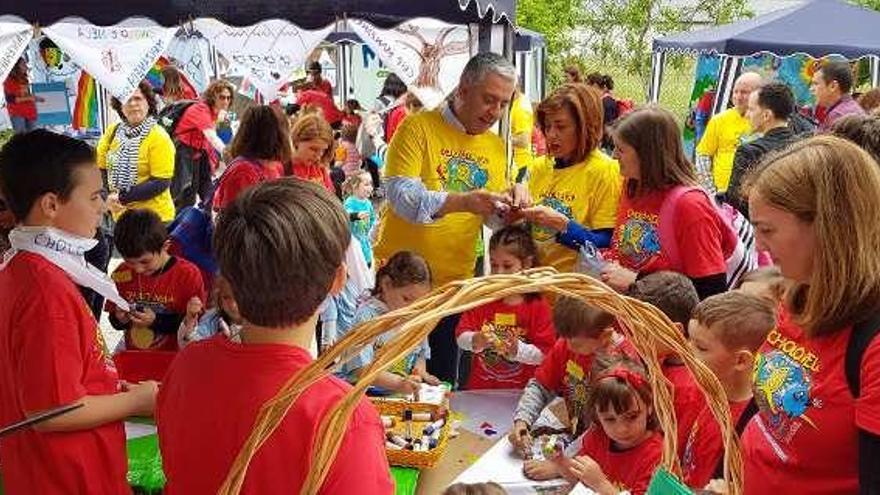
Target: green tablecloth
<point x="146" y="477"/>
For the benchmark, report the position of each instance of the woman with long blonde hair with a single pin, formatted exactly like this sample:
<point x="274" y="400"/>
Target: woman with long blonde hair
<point x="817" y="376"/>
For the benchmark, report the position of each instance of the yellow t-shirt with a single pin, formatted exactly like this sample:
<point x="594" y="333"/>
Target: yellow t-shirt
<point x="426" y="147"/>
<point x="586" y="193"/>
<point x="723" y="135"/>
<point x="522" y="121"/>
<point x="155" y="159"/>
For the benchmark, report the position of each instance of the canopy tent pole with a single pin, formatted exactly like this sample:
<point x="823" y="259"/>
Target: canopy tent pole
<point x="658" y="63"/>
<point x="874" y="64"/>
<point x="726" y="78"/>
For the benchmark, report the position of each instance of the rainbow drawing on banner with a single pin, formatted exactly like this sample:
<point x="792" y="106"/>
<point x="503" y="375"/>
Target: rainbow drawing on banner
<point x="85" y="110"/>
<point x="156" y="80"/>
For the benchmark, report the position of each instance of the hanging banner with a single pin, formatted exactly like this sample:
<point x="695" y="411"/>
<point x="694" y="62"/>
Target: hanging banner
<point x="428" y="55"/>
<point x="14" y="38"/>
<point x="117" y="56"/>
<point x="268" y="52"/>
<point x="191" y="54"/>
<point x="49" y="64"/>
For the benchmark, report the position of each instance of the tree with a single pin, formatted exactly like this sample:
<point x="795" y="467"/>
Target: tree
<point x="621" y="30"/>
<point x="557" y="20"/>
<point x="871" y="4"/>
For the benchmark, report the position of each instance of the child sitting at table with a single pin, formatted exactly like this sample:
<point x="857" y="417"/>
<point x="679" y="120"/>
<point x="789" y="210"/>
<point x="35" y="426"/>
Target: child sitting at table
<point x="623" y="447"/>
<point x="510" y="336"/>
<point x="281" y="246"/>
<point x="404" y="279"/>
<point x="726" y="331"/>
<point x="585" y="331"/>
<point x="223" y="318"/>
<point x="159" y="286"/>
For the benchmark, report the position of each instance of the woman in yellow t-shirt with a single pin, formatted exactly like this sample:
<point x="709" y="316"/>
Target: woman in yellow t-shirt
<point x="138" y="157"/>
<point x="576" y="189"/>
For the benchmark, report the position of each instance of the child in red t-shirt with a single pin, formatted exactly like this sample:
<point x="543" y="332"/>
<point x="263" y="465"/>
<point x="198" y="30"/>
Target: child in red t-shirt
<point x="726" y="331"/>
<point x="52" y="352"/>
<point x="313" y="150"/>
<point x="281" y="246"/>
<point x="623" y="447"/>
<point x="157" y="285"/>
<point x="508" y="337"/>
<point x="585" y="332"/>
<point x="674" y="295"/>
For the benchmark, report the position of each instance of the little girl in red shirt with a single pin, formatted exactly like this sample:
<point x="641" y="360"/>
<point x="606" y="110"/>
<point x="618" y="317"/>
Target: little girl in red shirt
<point x="623" y="447"/>
<point x="508" y="337"/>
<point x="313" y="149"/>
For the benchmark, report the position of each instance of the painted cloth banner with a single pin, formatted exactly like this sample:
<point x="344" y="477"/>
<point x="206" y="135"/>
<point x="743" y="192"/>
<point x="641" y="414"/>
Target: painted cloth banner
<point x="48" y="64"/>
<point x="427" y="54"/>
<point x="267" y="52"/>
<point x="192" y="54"/>
<point x="117" y="56"/>
<point x="702" y="99"/>
<point x="14" y="37"/>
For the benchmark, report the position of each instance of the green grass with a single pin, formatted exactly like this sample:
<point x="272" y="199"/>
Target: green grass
<point x="675" y="92"/>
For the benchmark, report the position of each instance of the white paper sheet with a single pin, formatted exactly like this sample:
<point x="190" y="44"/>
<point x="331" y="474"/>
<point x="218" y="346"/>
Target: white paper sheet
<point x="501" y="465"/>
<point x="479" y="407"/>
<point x="137" y="430"/>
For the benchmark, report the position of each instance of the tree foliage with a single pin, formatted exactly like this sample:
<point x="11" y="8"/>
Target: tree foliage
<point x="557" y="20"/>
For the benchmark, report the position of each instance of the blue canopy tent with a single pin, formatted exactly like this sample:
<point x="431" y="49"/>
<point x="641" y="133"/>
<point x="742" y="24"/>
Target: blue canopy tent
<point x="817" y="28"/>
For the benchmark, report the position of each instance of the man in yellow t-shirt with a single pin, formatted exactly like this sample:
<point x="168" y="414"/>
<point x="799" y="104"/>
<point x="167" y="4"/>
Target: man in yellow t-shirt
<point x="522" y="123"/>
<point x="445" y="171"/>
<point x="724" y="134"/>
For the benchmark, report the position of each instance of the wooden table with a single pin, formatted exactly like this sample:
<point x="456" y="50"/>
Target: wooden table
<point x="460" y="454"/>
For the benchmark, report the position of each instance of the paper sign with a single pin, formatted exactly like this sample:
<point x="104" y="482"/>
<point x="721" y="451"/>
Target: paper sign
<point x="428" y="55"/>
<point x="267" y="52"/>
<point x="53" y="107"/>
<point x="14" y="37"/>
<point x="117" y="56"/>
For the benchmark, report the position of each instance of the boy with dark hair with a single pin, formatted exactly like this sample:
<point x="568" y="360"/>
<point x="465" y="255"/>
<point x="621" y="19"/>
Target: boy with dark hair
<point x="51" y="350"/>
<point x="281" y="247"/>
<point x="585" y="331"/>
<point x="725" y="333"/>
<point x="158" y="286"/>
<point x="675" y="296"/>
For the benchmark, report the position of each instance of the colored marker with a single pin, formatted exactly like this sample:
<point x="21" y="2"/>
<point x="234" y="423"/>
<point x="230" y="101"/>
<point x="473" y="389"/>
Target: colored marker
<point x="436" y="425"/>
<point x="396" y="439"/>
<point x="408" y="417"/>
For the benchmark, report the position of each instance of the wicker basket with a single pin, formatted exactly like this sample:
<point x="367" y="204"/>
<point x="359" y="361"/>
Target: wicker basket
<point x="411" y="458"/>
<point x="652" y="333"/>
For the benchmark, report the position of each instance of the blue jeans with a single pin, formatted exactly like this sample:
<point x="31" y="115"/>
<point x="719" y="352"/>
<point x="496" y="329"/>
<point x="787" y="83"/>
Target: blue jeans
<point x="20" y="125"/>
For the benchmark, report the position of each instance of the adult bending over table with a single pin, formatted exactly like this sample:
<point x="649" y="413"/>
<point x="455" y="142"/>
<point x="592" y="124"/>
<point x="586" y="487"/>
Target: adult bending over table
<point x="577" y="188"/>
<point x="445" y="172"/>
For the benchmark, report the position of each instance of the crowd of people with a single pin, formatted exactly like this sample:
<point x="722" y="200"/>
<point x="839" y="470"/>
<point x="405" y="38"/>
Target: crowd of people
<point x="242" y="261"/>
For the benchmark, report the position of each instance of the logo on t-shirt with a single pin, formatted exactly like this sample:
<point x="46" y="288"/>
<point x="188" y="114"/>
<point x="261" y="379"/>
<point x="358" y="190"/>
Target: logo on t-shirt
<point x="782" y="392"/>
<point x="461" y="174"/>
<point x="504" y="331"/>
<point x="575" y="384"/>
<point x="543" y="234"/>
<point x="639" y="240"/>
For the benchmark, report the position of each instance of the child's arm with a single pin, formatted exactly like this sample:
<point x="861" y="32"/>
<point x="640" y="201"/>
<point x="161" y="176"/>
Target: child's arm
<point x="585" y="469"/>
<point x="186" y="333"/>
<point x="468" y="335"/>
<point x="119" y="319"/>
<point x="533" y="400"/>
<point x="395" y="383"/>
<point x="528" y="353"/>
<point x="421" y="370"/>
<point x="137" y="400"/>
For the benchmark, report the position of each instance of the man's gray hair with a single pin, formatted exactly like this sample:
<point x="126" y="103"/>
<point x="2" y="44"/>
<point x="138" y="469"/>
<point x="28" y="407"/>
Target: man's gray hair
<point x="483" y="64"/>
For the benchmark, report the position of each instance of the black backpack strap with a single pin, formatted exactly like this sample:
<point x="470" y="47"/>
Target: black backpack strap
<point x="743" y="421"/>
<point x="859" y="340"/>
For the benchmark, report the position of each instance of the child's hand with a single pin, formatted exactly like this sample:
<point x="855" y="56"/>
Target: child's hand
<point x="409" y="385"/>
<point x="585" y="469"/>
<point x="194" y="307"/>
<point x="114" y="204"/>
<point x="541" y="470"/>
<point x="430" y="379"/>
<point x="717" y="486"/>
<point x="509" y="348"/>
<point x="143" y="318"/>
<point x="121" y="315"/>
<point x="143" y="396"/>
<point x="363" y="215"/>
<point x="479" y="343"/>
<point x="521" y="439"/>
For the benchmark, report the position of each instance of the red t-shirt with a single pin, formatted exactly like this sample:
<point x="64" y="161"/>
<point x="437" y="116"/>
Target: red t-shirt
<point x="242" y="174"/>
<point x="14" y="88"/>
<point x="325" y="86"/>
<point x="206" y="410"/>
<point x="698" y="232"/>
<point x="52" y="354"/>
<point x="395" y="118"/>
<point x="352" y="120"/>
<point x="321" y="100"/>
<point x="804" y="438"/>
<point x="687" y="400"/>
<point x="531" y="322"/>
<point x="313" y="172"/>
<point x="196" y="119"/>
<point x="704" y="446"/>
<point x="166" y="293"/>
<point x="630" y="469"/>
<point x="567" y="374"/>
